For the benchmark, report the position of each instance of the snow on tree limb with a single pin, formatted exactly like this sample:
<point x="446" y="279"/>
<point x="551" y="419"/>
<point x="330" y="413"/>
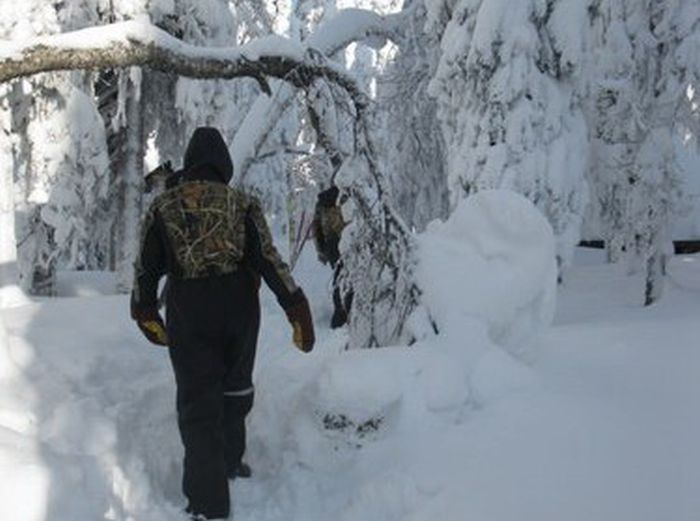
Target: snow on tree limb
<point x="141" y="44"/>
<point x="346" y="27"/>
<point x="136" y="43"/>
<point x="379" y="243"/>
<point x="353" y="25"/>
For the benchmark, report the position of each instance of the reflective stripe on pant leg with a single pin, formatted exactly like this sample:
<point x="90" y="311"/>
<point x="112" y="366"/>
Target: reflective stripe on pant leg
<point x="237" y="394"/>
<point x="237" y="405"/>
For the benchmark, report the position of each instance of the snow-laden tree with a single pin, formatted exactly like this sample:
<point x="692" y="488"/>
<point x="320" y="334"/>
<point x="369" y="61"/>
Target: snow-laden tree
<point x="438" y="15"/>
<point x="9" y="271"/>
<point x="310" y="166"/>
<point x="121" y="100"/>
<point x="72" y="163"/>
<point x="276" y="135"/>
<point x="218" y="103"/>
<point x="414" y="155"/>
<point x="378" y="257"/>
<point x="307" y="15"/>
<point x="378" y="248"/>
<point x="368" y="59"/>
<point x="57" y="155"/>
<point x="507" y="87"/>
<point x="643" y="106"/>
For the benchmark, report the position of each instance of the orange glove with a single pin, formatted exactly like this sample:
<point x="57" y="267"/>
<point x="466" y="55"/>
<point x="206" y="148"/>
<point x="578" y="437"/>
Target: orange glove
<point x="299" y="315"/>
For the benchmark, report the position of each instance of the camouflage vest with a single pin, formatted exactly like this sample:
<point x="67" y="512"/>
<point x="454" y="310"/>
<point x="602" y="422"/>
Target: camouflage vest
<point x="205" y="227"/>
<point x="331" y="221"/>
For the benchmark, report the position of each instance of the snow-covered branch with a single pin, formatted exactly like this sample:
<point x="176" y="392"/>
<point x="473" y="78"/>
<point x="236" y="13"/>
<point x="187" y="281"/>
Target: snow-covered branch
<point x="334" y="34"/>
<point x="141" y="44"/>
<point x="353" y="25"/>
<point x="383" y="303"/>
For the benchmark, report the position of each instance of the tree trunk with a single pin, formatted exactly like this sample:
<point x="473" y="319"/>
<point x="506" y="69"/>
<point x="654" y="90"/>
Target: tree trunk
<point x="9" y="274"/>
<point x="655" y="268"/>
<point x="131" y="177"/>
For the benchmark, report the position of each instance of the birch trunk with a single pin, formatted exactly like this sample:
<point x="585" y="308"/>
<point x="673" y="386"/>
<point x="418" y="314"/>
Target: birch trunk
<point x="132" y="183"/>
<point x="9" y="273"/>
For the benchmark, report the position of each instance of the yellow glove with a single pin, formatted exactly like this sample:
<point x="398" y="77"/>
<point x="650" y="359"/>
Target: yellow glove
<point x="299" y="316"/>
<point x="154" y="330"/>
<point x="297" y="336"/>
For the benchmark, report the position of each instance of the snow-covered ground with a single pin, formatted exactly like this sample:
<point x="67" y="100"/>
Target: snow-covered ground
<point x="601" y="425"/>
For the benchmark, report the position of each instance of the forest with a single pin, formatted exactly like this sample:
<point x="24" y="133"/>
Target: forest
<point x="476" y="145"/>
<point x="588" y="109"/>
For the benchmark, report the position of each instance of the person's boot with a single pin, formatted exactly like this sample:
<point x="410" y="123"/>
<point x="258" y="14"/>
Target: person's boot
<point x="243" y="471"/>
<point x="199" y="517"/>
<point x="339" y="318"/>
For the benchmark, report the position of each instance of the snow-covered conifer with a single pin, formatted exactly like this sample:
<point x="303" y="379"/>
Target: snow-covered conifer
<point x="414" y="155"/>
<point x="507" y="91"/>
<point x="58" y="156"/>
<point x="642" y="109"/>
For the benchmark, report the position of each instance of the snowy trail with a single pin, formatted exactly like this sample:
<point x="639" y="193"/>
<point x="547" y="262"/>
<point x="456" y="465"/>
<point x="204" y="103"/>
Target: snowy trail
<point x="99" y="401"/>
<point x="603" y="426"/>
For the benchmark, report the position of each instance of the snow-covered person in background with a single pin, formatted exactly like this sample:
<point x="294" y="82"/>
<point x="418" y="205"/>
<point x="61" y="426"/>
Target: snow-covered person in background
<point x="213" y="243"/>
<point x="328" y="227"/>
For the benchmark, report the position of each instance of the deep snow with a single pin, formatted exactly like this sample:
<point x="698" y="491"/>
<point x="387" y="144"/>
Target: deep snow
<point x="602" y="425"/>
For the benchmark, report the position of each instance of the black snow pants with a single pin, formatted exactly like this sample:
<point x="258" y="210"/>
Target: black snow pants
<point x="212" y="326"/>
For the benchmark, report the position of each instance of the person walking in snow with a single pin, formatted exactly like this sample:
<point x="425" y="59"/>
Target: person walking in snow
<point x="213" y="243"/>
<point x="328" y="226"/>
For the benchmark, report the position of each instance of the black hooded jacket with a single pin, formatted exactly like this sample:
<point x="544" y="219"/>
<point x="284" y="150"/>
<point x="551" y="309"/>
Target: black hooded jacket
<point x="201" y="230"/>
<point x="207" y="151"/>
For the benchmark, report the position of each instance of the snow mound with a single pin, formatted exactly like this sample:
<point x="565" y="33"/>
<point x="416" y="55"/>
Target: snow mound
<point x="494" y="259"/>
<point x="355" y="396"/>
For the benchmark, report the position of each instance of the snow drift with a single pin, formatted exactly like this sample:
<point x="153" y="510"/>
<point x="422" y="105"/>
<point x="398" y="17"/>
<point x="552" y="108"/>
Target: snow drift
<point x="489" y="279"/>
<point x="87" y="425"/>
<point x="70" y="421"/>
<point x="494" y="260"/>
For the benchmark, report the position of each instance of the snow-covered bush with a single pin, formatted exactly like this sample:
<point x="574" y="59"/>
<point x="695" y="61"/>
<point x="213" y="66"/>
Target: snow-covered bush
<point x="493" y="259"/>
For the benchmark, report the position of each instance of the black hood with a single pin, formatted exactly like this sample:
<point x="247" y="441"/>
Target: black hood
<point x="207" y="148"/>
